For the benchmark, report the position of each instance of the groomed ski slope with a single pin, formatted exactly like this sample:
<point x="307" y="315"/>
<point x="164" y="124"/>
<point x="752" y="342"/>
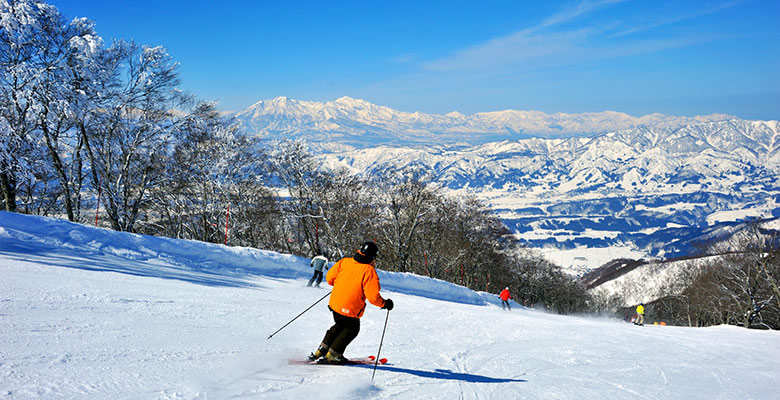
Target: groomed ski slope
<point x="94" y="314"/>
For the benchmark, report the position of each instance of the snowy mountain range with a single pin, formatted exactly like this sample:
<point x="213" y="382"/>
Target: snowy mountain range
<point x="358" y="123"/>
<point x="652" y="185"/>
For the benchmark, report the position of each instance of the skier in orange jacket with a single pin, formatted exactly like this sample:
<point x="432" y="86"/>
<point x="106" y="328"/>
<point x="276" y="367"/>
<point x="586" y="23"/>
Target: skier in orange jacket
<point x="354" y="281"/>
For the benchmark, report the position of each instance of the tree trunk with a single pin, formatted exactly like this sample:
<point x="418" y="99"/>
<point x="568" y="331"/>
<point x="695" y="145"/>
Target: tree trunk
<point x="59" y="167"/>
<point x="8" y="183"/>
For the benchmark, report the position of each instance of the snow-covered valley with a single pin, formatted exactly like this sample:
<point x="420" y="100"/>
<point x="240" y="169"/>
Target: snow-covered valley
<point x="92" y="313"/>
<point x="643" y="192"/>
<point x="634" y="187"/>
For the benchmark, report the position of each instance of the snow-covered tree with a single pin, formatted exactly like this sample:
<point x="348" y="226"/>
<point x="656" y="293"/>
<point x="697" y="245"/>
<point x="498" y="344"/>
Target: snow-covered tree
<point x="68" y="84"/>
<point x="349" y="213"/>
<point x="132" y="135"/>
<point x="407" y="202"/>
<point x="738" y="285"/>
<point x="212" y="168"/>
<point x="298" y="170"/>
<point x="27" y="29"/>
<point x="746" y="281"/>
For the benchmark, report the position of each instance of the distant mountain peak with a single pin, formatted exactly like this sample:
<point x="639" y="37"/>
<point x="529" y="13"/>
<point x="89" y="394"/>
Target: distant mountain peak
<point x="454" y="114"/>
<point x="346" y="119"/>
<point x="349" y="100"/>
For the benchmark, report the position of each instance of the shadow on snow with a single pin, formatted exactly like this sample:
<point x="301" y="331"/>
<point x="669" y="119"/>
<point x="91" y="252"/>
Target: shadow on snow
<point x="444" y="374"/>
<point x="140" y="268"/>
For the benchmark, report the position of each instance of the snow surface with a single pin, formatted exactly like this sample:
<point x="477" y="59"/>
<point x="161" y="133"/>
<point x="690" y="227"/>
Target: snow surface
<point x="92" y="313"/>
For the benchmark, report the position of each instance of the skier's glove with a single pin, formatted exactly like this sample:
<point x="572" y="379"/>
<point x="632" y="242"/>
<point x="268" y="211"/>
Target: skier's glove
<point x="388" y="305"/>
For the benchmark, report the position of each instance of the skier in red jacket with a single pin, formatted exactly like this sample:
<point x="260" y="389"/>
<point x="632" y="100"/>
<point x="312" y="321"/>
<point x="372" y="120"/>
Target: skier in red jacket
<point x="504" y="295"/>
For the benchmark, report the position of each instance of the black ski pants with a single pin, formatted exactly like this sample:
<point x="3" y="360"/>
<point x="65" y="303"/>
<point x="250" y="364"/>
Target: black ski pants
<point x="317" y="276"/>
<point x="341" y="334"/>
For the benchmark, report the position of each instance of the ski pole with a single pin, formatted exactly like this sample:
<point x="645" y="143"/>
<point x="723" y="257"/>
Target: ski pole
<point x="296" y="317"/>
<point x="376" y="362"/>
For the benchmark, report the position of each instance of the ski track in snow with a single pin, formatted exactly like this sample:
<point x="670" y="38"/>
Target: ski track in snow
<point x="111" y="324"/>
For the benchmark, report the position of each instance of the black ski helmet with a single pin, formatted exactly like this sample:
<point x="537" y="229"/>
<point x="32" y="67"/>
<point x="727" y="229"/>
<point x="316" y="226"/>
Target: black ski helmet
<point x="369" y="250"/>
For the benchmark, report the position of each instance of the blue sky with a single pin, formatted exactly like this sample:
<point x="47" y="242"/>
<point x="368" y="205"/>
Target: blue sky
<point x="637" y="57"/>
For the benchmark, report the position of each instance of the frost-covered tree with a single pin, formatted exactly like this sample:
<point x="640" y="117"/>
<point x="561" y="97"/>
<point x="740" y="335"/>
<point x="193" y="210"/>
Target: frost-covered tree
<point x="51" y="73"/>
<point x="70" y="79"/>
<point x="738" y="284"/>
<point x="27" y="28"/>
<point x="298" y="170"/>
<point x="349" y="213"/>
<point x="133" y="133"/>
<point x="407" y="202"/>
<point x="213" y="167"/>
<point x="746" y="279"/>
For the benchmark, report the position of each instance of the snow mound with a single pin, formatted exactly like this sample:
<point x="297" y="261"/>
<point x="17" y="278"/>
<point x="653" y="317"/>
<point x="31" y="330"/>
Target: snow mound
<point x="191" y="260"/>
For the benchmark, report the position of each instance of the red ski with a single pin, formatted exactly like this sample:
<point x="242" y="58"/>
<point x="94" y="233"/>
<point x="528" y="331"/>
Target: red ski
<point x="370" y="360"/>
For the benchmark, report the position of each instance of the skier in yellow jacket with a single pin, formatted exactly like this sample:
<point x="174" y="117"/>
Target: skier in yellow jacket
<point x="640" y="314"/>
<point x="354" y="281"/>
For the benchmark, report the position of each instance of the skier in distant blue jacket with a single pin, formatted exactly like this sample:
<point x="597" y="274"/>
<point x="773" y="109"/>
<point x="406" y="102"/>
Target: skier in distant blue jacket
<point x="318" y="263"/>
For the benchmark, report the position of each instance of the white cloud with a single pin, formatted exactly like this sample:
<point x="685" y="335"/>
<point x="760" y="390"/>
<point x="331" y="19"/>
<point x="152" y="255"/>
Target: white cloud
<point x="566" y="15"/>
<point x="511" y="51"/>
<point x="674" y="19"/>
<point x="550" y="43"/>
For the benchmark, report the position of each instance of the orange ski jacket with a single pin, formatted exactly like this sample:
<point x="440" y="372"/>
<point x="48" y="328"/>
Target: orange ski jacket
<point x="504" y="295"/>
<point x="353" y="283"/>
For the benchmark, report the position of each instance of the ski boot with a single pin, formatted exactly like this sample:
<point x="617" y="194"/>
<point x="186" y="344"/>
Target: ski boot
<point x="330" y="358"/>
<point x="320" y="353"/>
